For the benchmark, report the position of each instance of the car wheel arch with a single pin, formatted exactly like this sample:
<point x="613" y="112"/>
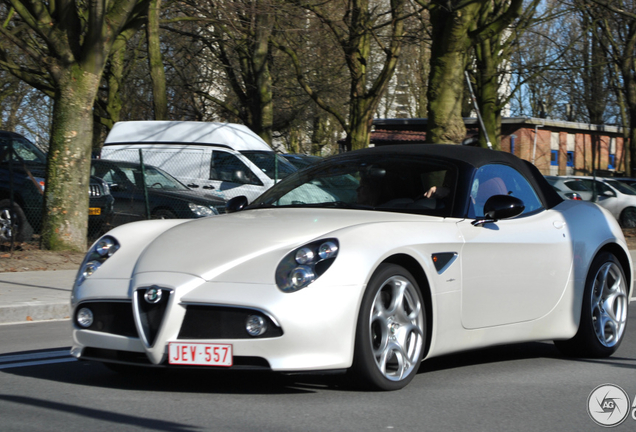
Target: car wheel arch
<point x="163" y="211"/>
<point x="622" y="258"/>
<point x="417" y="271"/>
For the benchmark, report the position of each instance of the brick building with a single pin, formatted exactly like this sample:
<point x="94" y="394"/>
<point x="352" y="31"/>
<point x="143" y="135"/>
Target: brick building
<point x="554" y="147"/>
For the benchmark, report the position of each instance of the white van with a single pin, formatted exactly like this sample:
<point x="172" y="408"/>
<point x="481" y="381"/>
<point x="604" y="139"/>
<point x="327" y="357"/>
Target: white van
<point x="227" y="159"/>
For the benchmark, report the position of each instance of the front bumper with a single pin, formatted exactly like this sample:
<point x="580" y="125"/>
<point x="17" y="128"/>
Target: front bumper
<point x="309" y="330"/>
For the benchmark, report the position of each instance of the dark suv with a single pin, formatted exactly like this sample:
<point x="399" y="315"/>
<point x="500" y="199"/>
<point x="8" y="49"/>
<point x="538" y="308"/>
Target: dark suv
<point x="22" y="168"/>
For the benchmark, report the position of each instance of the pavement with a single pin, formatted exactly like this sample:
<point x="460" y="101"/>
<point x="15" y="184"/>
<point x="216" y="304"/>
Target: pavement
<point x="45" y="295"/>
<point x="35" y="296"/>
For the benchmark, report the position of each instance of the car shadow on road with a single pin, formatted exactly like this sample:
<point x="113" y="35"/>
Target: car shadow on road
<point x="95" y="374"/>
<point x="514" y="352"/>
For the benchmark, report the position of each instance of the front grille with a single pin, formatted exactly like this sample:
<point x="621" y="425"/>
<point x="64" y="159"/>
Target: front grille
<point x="110" y="317"/>
<point x="94" y="190"/>
<point x="151" y="313"/>
<point x="218" y="322"/>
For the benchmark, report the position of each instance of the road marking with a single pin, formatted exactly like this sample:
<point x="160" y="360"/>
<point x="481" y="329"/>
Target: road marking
<point x="36" y="358"/>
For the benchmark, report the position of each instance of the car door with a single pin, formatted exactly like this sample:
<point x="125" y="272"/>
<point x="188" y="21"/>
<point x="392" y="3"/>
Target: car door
<point x="129" y="204"/>
<point x="605" y="197"/>
<point x="513" y="270"/>
<point x="232" y="177"/>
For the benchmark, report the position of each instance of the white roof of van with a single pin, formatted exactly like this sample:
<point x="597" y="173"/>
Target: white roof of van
<point x="236" y="136"/>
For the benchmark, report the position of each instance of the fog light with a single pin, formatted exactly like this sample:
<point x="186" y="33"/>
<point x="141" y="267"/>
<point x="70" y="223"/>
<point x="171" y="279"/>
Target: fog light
<point x="255" y="325"/>
<point x="85" y="317"/>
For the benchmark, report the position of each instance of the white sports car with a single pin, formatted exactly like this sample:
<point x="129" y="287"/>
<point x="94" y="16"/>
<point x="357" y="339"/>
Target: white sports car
<point x="367" y="262"/>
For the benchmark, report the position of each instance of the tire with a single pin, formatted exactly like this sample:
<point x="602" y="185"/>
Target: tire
<point x="163" y="214"/>
<point x="628" y="218"/>
<point x="13" y="222"/>
<point x="391" y="331"/>
<point x="604" y="311"/>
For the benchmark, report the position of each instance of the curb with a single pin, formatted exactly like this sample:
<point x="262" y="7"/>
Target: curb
<point x="35" y="296"/>
<point x="34" y="312"/>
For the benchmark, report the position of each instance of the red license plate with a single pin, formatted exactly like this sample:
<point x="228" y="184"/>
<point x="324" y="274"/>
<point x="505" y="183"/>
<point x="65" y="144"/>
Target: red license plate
<point x="199" y="354"/>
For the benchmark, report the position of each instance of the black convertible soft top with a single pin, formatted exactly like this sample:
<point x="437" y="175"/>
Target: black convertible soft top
<point x="474" y="157"/>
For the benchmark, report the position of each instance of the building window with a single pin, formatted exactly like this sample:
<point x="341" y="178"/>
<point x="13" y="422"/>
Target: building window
<point x="554" y="158"/>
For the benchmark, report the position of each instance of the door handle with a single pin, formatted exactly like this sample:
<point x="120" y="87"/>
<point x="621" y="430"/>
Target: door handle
<point x="208" y="187"/>
<point x="192" y="185"/>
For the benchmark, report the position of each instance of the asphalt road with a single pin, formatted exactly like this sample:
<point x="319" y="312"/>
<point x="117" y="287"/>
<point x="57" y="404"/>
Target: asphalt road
<point x="523" y="387"/>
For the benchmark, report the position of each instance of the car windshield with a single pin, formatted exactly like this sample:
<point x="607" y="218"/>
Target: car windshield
<point x="124" y="174"/>
<point x="578" y="186"/>
<point x="370" y="182"/>
<point x="23" y="150"/>
<point x="621" y="187"/>
<point x="273" y="165"/>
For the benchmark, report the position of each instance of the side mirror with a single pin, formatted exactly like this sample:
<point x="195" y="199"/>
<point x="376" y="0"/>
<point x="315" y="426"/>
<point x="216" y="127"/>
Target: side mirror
<point x="500" y="207"/>
<point x="235" y="204"/>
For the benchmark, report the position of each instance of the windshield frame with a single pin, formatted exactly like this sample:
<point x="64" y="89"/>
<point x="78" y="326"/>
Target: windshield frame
<point x="337" y="167"/>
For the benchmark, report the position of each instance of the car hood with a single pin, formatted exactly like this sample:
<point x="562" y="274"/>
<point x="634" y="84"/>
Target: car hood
<point x="209" y="247"/>
<point x="190" y="196"/>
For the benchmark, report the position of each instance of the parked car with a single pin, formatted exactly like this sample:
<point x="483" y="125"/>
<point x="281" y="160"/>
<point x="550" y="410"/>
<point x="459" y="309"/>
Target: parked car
<point x="564" y="192"/>
<point x="626" y="180"/>
<point x="226" y="158"/>
<point x="617" y="197"/>
<point x="443" y="249"/>
<point x="23" y="170"/>
<point x="167" y="197"/>
<point x="301" y="161"/>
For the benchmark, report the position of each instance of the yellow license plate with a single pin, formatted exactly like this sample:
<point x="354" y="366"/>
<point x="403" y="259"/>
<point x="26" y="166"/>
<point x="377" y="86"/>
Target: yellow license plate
<point x="94" y="211"/>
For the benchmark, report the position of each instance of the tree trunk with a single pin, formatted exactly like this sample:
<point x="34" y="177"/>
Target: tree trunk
<point x="155" y="61"/>
<point x="449" y="53"/>
<point x="262" y="101"/>
<point x="64" y="225"/>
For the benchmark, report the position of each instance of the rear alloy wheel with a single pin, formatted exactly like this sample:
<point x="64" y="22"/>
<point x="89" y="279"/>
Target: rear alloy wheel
<point x="13" y="222"/>
<point x="604" y="312"/>
<point x="391" y="330"/>
<point x="628" y="218"/>
<point x="163" y="214"/>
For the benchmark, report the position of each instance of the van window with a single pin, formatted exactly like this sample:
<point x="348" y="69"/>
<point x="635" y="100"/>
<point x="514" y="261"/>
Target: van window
<point x="267" y="161"/>
<point x="227" y="167"/>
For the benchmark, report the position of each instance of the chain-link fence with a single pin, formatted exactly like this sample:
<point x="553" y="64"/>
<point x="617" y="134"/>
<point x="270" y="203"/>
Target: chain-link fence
<point x="22" y="184"/>
<point x="212" y="170"/>
<point x="130" y="184"/>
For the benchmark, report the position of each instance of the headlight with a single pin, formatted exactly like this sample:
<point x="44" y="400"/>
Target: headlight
<point x="304" y="265"/>
<point x="103" y="249"/>
<point x="202" y="211"/>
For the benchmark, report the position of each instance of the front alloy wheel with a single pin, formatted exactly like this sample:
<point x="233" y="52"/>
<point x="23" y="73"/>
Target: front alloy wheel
<point x="391" y="330"/>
